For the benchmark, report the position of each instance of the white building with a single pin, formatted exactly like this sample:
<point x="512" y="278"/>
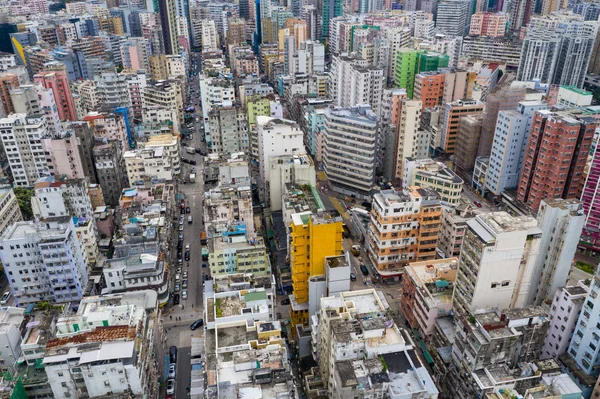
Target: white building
<point x="497" y="262"/>
<point x="213" y="92"/>
<point x="52" y="197"/>
<point x="508" y="147"/>
<point x="147" y="163"/>
<point x="7" y="60"/>
<point x="351" y="330"/>
<point x="561" y="222"/>
<point x="10" y="213"/>
<point x="453" y="17"/>
<point x="350" y="148"/>
<point x="21" y="136"/>
<point x="276" y="137"/>
<point x="171" y="149"/>
<point x="166" y="93"/>
<point x="285" y="169"/>
<point x="352" y="82"/>
<point x="44" y="261"/>
<point x="112" y="89"/>
<point x="11" y="323"/>
<point x="434" y="175"/>
<point x="574" y="97"/>
<point x="210" y="36"/>
<point x="108" y="344"/>
<point x="564" y="313"/>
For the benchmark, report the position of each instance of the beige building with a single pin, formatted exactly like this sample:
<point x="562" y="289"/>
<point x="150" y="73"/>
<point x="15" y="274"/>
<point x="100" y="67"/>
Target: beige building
<point x="9" y="208"/>
<point x="434" y="175"/>
<point x="170" y="146"/>
<point x="166" y="93"/>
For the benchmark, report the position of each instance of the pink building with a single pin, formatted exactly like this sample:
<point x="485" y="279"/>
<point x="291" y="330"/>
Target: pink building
<point x="488" y="24"/>
<point x="63" y="156"/>
<point x="590" y="237"/>
<point x="58" y="81"/>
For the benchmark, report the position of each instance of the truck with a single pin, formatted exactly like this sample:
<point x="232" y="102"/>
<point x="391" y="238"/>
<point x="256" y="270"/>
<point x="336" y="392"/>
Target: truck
<point x="355" y="250"/>
<point x="204" y="254"/>
<point x="203" y="240"/>
<point x="192" y="177"/>
<point x="190" y="150"/>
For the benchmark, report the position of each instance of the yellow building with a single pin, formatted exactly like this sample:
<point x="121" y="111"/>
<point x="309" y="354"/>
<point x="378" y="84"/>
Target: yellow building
<point x="314" y="235"/>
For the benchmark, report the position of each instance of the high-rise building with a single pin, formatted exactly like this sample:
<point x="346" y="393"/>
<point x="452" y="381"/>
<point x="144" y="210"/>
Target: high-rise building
<point x="452" y="113"/>
<point x="60" y="274"/>
<point x="583" y="348"/>
<point x="10" y="212"/>
<point x="558" y="54"/>
<point x="58" y="81"/>
<point x="467" y="141"/>
<point x="21" y="138"/>
<point x="228" y="130"/>
<point x="350" y="148"/>
<point x="392" y="248"/>
<point x="591" y="204"/>
<point x="497" y="263"/>
<point x="561" y="222"/>
<point x="110" y="169"/>
<point x="429" y="88"/>
<point x="167" y="10"/>
<point x="509" y="145"/>
<point x="488" y="24"/>
<point x="557" y="150"/>
<point x="8" y="82"/>
<point x="352" y="82"/>
<point x="564" y="314"/>
<point x="330" y="9"/>
<point x="433" y="175"/>
<point x="453" y="17"/>
<point x="519" y="13"/>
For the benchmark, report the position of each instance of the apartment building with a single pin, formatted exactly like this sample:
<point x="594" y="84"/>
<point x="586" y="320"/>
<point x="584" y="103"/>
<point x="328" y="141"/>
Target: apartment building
<point x="112" y="89"/>
<point x="353" y="82"/>
<point x="497" y="262"/>
<point x="564" y="313"/>
<point x="64" y="157"/>
<point x="21" y="137"/>
<point x="229" y="207"/>
<point x="167" y="94"/>
<point x="53" y="268"/>
<point x="8" y="82"/>
<point x="116" y="328"/>
<point x="228" y="129"/>
<point x="110" y="169"/>
<point x="452" y="230"/>
<point x="297" y="169"/>
<point x="467" y="141"/>
<point x="110" y="126"/>
<point x="453" y="111"/>
<point x="427" y="292"/>
<point x="492" y="49"/>
<point x="555" y="156"/>
<point x="350" y="336"/>
<point x="314" y="235"/>
<point x="429" y="88"/>
<point x="453" y="17"/>
<point x="229" y="297"/>
<point x="433" y="175"/>
<point x="58" y="81"/>
<point x="509" y="146"/>
<point x="10" y="213"/>
<point x="488" y="24"/>
<point x="350" y="148"/>
<point x="404" y="227"/>
<point x="147" y="163"/>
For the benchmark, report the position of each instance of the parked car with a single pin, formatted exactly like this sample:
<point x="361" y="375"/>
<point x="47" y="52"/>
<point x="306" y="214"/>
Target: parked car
<point x="176" y="299"/>
<point x="173" y="354"/>
<point x="180" y="227"/>
<point x="204" y="265"/>
<point x="187" y="210"/>
<point x="192" y="162"/>
<point x="187" y="246"/>
<point x="206" y="277"/>
<point x="185" y="274"/>
<point x="181" y="236"/>
<point x="196" y="324"/>
<point x="187" y="255"/>
<point x="352" y="277"/>
<point x="190" y="221"/>
<point x="286" y="301"/>
<point x="184" y="294"/>
<point x="170" y="387"/>
<point x="172" y="370"/>
<point x="184" y="284"/>
<point x="177" y="288"/>
<point x="5" y="298"/>
<point x="180" y="245"/>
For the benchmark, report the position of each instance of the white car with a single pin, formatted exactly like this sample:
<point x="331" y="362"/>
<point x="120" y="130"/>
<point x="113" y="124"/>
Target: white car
<point x="5" y="298"/>
<point x="187" y="246"/>
<point x="184" y="294"/>
<point x="172" y="370"/>
<point x="170" y="386"/>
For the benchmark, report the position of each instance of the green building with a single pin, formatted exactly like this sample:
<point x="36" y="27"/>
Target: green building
<point x="406" y="69"/>
<point x="410" y="62"/>
<point x="331" y="9"/>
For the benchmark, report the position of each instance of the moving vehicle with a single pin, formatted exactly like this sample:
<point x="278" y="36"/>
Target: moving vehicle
<point x="192" y="162"/>
<point x="203" y="240"/>
<point x="196" y="324"/>
<point x="352" y="277"/>
<point x="190" y="150"/>
<point x="170" y="386"/>
<point x="187" y="246"/>
<point x="192" y="177"/>
<point x="176" y="299"/>
<point x="172" y="372"/>
<point x="173" y="354"/>
<point x="355" y="250"/>
<point x="5" y="298"/>
<point x="364" y="270"/>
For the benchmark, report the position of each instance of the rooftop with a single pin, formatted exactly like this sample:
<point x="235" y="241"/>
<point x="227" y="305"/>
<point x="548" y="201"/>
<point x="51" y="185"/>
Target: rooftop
<point x="489" y="225"/>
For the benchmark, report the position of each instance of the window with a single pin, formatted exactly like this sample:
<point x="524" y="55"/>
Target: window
<point x="505" y="283"/>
